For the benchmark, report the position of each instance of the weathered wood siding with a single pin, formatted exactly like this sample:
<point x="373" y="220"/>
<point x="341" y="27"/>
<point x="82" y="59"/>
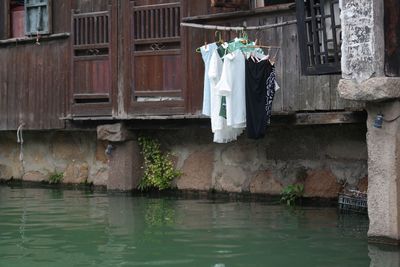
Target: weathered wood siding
<point x="297" y="92"/>
<point x="34" y="82"/>
<point x="41" y="83"/>
<point x="392" y="38"/>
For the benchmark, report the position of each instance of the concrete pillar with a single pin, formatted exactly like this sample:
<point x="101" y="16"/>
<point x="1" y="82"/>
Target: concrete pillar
<point x="384" y="173"/>
<point x="124" y="156"/>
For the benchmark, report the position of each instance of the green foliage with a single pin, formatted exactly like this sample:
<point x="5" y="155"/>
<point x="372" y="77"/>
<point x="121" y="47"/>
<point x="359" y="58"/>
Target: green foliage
<point x="159" y="170"/>
<point x="56" y="177"/>
<point x="292" y="192"/>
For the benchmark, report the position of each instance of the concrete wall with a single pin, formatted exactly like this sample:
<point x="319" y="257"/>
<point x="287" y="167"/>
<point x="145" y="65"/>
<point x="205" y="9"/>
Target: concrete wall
<point x="321" y="157"/>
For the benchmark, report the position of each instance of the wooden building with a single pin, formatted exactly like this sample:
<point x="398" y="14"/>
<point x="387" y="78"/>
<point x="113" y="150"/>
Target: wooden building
<point x="77" y="60"/>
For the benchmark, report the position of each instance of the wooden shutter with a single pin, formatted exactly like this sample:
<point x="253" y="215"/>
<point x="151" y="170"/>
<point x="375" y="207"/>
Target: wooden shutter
<point x="91" y="63"/>
<point x="38" y="17"/>
<point x="156" y="60"/>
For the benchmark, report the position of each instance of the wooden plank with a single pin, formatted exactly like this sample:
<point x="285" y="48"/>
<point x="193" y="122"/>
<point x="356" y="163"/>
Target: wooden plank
<point x="322" y="93"/>
<point x="290" y="67"/>
<point x="330" y="118"/>
<point x="392" y="37"/>
<point x="4" y="19"/>
<point x="3" y="90"/>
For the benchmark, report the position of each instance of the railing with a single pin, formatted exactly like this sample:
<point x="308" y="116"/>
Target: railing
<point x="160" y="23"/>
<point x="91" y="29"/>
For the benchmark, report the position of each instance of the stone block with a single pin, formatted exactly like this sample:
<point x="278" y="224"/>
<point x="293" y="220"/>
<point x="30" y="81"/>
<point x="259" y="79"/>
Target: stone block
<point x="35" y="176"/>
<point x="100" y="151"/>
<point x="321" y="183"/>
<point x="197" y="171"/>
<point x="125" y="164"/>
<point x="116" y="132"/>
<point x="6" y="172"/>
<point x="76" y="173"/>
<point x="373" y="89"/>
<point x="263" y="182"/>
<point x="67" y="146"/>
<point x="232" y="179"/>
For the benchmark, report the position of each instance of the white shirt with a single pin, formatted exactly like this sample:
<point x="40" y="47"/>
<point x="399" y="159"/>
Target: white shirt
<point x="222" y="132"/>
<point x="232" y="85"/>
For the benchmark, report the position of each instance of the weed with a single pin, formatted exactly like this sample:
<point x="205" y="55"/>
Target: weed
<point x="56" y="177"/>
<point x="291" y="193"/>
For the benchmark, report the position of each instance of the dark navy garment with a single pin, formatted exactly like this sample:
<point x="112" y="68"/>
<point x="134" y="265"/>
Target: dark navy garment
<point x="258" y="96"/>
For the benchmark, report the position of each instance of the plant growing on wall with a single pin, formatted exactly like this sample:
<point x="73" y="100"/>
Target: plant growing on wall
<point x="159" y="170"/>
<point x="291" y="193"/>
<point x="56" y="177"/>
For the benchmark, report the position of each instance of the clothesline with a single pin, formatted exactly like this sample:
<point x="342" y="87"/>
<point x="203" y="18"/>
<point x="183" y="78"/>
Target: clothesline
<point x="250" y="28"/>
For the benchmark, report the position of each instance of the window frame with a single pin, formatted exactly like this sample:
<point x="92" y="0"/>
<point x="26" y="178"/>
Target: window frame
<point x="316" y="68"/>
<point x="5" y="20"/>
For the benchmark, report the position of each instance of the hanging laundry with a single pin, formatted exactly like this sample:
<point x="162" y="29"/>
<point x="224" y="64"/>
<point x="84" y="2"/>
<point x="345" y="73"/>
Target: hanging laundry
<point x="260" y="90"/>
<point x="272" y="87"/>
<point x="232" y="85"/>
<point x="206" y="53"/>
<point x="222" y="132"/>
<point x="239" y="88"/>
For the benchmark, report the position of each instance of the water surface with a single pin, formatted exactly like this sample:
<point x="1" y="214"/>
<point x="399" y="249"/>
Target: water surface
<point x="52" y="227"/>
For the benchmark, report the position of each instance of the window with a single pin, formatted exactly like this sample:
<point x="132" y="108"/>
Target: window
<point x="17" y="11"/>
<point x="263" y="3"/>
<point x="319" y="34"/>
<point x="19" y="18"/>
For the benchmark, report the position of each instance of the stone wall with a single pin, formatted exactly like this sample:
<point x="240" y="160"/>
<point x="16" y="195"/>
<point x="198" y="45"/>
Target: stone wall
<point x="362" y="39"/>
<point x="320" y="157"/>
<point x="78" y="155"/>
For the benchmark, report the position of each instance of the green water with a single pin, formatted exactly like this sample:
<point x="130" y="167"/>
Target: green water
<point x="49" y="227"/>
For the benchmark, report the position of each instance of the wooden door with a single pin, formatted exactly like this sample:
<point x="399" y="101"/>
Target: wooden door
<point x="92" y="75"/>
<point x="156" y="78"/>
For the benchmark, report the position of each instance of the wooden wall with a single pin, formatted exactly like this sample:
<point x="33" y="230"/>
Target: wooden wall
<point x="36" y="87"/>
<point x="297" y="92"/>
<point x="34" y="81"/>
<point x="392" y="38"/>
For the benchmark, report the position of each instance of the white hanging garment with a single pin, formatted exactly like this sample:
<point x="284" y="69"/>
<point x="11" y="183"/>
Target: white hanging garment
<point x="206" y="53"/>
<point x="222" y="132"/>
<point x="232" y="85"/>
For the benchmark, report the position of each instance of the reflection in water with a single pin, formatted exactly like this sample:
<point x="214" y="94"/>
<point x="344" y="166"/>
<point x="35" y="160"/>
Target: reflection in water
<point x="383" y="255"/>
<point x="46" y="227"/>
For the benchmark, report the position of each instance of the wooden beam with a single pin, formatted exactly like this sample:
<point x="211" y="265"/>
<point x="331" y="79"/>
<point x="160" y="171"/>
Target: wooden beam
<point x="330" y="118"/>
<point x="183" y="121"/>
<point x="241" y="14"/>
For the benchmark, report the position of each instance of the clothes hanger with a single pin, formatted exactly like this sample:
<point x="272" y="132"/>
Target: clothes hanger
<point x="198" y="49"/>
<point x="273" y="60"/>
<point x="219" y="36"/>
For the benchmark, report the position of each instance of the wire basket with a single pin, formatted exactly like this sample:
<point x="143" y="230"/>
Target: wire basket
<point x="353" y="201"/>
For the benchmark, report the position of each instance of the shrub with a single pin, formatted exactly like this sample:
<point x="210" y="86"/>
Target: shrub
<point x="159" y="170"/>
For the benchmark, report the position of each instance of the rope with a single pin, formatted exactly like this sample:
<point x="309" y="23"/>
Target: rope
<point x="251" y="28"/>
<point x="20" y="141"/>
